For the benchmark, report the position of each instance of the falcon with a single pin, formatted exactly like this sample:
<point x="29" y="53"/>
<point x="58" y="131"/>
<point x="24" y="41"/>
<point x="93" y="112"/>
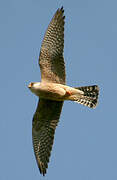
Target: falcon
<point x="53" y="91"/>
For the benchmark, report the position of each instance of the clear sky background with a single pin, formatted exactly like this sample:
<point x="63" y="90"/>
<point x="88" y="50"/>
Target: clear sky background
<point x="85" y="146"/>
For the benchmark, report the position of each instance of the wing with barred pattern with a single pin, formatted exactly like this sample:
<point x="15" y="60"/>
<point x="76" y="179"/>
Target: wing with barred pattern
<point x="45" y="121"/>
<point x="51" y="59"/>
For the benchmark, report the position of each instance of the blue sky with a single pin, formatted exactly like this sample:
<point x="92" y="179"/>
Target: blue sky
<point x="85" y="146"/>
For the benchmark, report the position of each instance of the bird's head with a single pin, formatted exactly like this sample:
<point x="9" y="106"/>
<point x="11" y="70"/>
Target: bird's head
<point x="34" y="87"/>
<point x="34" y="84"/>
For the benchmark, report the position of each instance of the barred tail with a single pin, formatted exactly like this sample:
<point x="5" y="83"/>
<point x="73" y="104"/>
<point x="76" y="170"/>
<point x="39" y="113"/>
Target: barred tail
<point x="90" y="96"/>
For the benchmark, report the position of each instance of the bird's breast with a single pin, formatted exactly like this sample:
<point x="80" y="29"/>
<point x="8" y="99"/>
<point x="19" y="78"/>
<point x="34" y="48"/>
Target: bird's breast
<point x="50" y="91"/>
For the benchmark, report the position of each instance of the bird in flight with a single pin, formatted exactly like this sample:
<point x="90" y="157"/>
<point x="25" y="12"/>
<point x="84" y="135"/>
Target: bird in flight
<point x="53" y="91"/>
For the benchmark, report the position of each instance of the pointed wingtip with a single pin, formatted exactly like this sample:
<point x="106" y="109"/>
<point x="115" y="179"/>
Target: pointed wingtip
<point x="62" y="9"/>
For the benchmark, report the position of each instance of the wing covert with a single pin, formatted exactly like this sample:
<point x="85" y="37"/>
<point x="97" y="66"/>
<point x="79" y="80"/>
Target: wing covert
<point x="51" y="59"/>
<point x="45" y="121"/>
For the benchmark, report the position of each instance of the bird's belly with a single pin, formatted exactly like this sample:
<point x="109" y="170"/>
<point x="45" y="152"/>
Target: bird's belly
<point x="52" y="92"/>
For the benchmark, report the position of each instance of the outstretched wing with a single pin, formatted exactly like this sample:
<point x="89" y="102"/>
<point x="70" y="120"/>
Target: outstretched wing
<point x="51" y="59"/>
<point x="45" y="121"/>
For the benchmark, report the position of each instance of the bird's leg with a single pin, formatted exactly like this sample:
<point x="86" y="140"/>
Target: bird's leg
<point x="68" y="93"/>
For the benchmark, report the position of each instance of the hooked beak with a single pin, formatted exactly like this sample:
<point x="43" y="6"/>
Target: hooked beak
<point x="30" y="85"/>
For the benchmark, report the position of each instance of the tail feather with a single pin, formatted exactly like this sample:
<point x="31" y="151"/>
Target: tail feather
<point x="90" y="96"/>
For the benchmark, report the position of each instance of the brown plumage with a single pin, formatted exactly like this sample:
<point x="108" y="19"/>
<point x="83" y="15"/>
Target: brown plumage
<point x="52" y="91"/>
<point x="52" y="67"/>
<point x="51" y="59"/>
